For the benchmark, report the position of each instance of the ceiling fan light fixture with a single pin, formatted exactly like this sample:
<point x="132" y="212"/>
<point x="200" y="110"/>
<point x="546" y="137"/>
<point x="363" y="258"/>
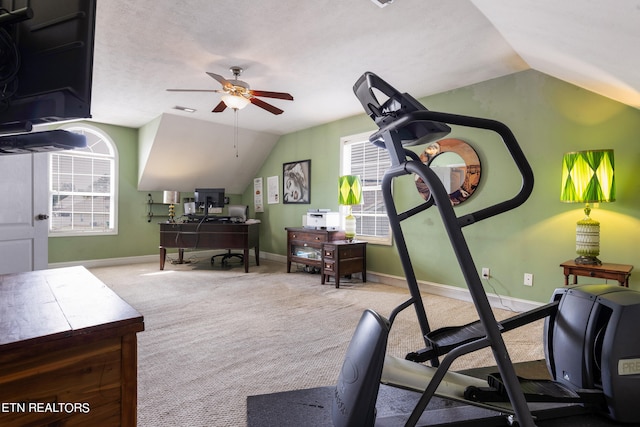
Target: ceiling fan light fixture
<point x="234" y="101"/>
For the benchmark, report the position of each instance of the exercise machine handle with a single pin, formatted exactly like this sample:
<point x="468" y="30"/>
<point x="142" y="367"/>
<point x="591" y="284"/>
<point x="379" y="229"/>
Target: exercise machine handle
<point x="500" y="128"/>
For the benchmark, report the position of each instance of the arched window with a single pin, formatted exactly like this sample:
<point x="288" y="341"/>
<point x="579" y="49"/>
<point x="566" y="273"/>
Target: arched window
<point x="83" y="186"/>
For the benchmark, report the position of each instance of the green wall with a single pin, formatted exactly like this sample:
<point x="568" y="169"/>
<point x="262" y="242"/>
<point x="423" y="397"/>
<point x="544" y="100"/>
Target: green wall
<point x="547" y="116"/>
<point x="135" y="235"/>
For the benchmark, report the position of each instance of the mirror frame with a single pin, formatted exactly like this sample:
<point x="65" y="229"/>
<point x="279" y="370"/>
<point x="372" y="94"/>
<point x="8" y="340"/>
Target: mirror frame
<point x="472" y="167"/>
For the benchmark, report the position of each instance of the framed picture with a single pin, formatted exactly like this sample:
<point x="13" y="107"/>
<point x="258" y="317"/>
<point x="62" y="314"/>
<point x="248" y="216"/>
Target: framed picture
<point x="296" y="182"/>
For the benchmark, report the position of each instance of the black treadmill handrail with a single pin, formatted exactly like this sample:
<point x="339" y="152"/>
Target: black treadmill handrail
<point x="500" y="128"/>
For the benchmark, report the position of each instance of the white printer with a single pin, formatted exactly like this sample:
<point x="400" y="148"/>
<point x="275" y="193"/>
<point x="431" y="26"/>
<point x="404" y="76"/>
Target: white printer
<point x="321" y="219"/>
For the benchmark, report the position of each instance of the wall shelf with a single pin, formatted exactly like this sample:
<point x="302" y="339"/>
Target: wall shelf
<point x="152" y="207"/>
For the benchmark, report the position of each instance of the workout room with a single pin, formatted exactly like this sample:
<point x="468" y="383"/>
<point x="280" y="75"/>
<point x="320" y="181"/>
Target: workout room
<point x="200" y="168"/>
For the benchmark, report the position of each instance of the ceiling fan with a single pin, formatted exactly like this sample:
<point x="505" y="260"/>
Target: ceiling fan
<point x="238" y="95"/>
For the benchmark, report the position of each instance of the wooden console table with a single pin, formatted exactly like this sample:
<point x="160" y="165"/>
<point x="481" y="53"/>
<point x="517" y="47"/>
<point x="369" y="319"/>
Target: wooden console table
<point x="210" y="235"/>
<point x="304" y="245"/>
<point x="68" y="352"/>
<point x="619" y="272"/>
<point x="343" y="258"/>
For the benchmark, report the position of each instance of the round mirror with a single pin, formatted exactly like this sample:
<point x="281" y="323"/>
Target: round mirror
<point x="457" y="165"/>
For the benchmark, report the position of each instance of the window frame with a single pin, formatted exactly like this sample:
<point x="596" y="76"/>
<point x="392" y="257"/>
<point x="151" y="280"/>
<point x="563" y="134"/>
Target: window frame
<point x="345" y="169"/>
<point x="94" y="136"/>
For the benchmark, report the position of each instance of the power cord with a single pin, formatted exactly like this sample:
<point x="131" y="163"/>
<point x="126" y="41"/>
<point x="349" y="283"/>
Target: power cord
<point x="493" y="289"/>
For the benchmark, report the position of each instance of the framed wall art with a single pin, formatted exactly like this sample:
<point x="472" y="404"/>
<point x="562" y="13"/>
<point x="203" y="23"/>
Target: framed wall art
<point x="296" y="182"/>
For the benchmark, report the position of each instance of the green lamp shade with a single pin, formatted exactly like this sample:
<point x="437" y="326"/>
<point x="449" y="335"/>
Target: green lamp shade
<point x="350" y="190"/>
<point x="587" y="177"/>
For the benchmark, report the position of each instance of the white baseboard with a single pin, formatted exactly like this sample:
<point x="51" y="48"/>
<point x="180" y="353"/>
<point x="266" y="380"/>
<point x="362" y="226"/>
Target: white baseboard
<point x="109" y="262"/>
<point x="496" y="301"/>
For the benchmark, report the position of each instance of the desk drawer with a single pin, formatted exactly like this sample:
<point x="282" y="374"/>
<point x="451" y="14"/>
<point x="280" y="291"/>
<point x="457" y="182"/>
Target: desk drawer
<point x="177" y="239"/>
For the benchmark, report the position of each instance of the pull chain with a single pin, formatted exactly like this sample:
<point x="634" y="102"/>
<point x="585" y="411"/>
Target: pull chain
<point x="235" y="131"/>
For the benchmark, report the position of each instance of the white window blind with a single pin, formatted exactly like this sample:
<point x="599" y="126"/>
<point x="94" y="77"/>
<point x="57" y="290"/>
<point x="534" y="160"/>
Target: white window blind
<point x="82" y="187"/>
<point x="360" y="157"/>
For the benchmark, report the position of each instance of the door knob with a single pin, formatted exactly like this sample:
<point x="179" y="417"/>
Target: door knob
<point x="42" y="217"/>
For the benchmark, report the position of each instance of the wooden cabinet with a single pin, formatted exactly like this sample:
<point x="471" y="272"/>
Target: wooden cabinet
<point x="68" y="353"/>
<point x="304" y="245"/>
<point x="343" y="258"/>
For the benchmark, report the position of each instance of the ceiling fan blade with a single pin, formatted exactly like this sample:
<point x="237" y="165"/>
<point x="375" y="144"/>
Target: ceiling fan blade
<point x="224" y="82"/>
<point x="193" y="90"/>
<point x="270" y="108"/>
<point x="220" y="107"/>
<point x="267" y="94"/>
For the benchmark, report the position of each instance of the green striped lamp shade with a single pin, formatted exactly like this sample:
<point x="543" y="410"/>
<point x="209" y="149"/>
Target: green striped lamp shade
<point x="587" y="177"/>
<point x="349" y="190"/>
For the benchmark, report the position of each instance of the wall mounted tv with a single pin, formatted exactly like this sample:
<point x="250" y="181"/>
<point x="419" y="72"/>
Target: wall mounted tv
<point x="207" y="198"/>
<point x="46" y="61"/>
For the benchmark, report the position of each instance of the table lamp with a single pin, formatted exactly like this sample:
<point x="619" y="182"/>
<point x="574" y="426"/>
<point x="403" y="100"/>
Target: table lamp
<point x="350" y="193"/>
<point x="171" y="198"/>
<point x="587" y="177"/>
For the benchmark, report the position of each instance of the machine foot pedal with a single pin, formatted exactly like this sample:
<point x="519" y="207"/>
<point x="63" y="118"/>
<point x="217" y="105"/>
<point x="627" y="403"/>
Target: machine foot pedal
<point x="534" y="391"/>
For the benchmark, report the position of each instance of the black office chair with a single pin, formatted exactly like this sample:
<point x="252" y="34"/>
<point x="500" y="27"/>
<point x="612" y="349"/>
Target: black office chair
<point x="237" y="213"/>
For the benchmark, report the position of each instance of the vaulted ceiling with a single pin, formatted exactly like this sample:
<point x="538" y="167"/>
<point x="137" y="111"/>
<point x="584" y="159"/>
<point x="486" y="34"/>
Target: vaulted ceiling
<point x="316" y="51"/>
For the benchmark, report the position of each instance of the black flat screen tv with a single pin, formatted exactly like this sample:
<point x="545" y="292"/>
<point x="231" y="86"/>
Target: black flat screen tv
<point x="46" y="61"/>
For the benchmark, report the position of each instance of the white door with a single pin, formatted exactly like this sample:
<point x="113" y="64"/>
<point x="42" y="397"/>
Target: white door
<point x="23" y="212"/>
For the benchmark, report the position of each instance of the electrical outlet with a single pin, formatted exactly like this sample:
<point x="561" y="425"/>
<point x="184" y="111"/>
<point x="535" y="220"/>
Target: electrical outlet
<point x="528" y="279"/>
<point x="485" y="273"/>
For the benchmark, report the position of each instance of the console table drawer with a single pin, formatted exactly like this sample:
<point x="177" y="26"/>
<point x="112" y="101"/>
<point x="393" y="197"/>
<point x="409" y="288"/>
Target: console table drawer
<point x="343" y="251"/>
<point x="328" y="266"/>
<point x="307" y="237"/>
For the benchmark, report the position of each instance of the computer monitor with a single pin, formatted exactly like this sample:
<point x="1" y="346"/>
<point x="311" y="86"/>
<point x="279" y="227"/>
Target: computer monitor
<point x="208" y="198"/>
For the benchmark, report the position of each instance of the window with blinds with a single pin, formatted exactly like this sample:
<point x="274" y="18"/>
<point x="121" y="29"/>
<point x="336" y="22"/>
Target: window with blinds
<point x="360" y="157"/>
<point x="82" y="187"/>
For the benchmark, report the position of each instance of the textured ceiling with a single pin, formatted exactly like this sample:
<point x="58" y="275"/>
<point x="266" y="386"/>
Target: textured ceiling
<point x="317" y="50"/>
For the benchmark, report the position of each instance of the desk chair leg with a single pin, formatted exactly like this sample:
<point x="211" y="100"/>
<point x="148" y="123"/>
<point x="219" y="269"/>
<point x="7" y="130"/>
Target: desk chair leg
<point x="226" y="257"/>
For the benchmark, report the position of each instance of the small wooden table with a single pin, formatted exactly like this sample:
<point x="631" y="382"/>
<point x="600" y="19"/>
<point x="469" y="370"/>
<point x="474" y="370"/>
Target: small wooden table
<point x="343" y="258"/>
<point x="619" y="272"/>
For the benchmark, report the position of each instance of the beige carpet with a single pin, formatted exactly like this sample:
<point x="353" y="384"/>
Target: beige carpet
<point x="215" y="336"/>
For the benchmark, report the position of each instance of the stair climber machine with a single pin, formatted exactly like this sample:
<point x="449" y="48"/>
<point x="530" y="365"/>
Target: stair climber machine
<point x="591" y="341"/>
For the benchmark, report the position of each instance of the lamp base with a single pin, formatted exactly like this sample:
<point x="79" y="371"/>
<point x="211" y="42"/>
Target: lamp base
<point x="587" y="260"/>
<point x="588" y="240"/>
<point x="349" y="227"/>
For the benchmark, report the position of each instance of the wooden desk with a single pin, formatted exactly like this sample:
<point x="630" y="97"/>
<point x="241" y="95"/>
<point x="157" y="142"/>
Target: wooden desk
<point x="619" y="272"/>
<point x="68" y="352"/>
<point x="210" y="235"/>
<point x="343" y="258"/>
